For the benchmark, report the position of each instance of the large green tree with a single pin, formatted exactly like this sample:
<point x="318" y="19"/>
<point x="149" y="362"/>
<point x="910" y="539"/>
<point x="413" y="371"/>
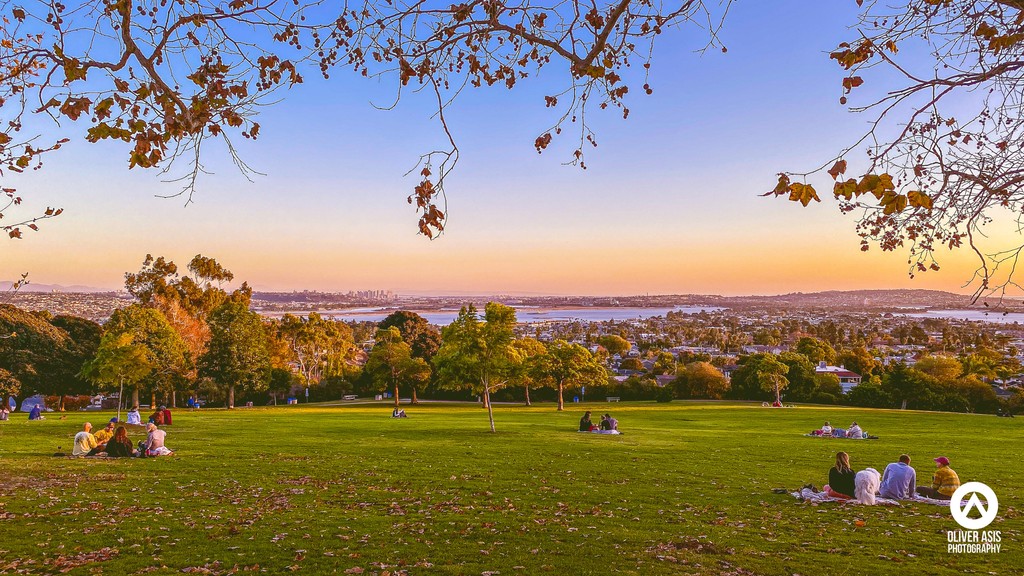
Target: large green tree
<point x="320" y="347"/>
<point x="569" y="365"/>
<point x="83" y="341"/>
<point x="801" y="374"/>
<point x="44" y="353"/>
<point x="816" y="350"/>
<point x="477" y="354"/>
<point x="237" y="356"/>
<point x="904" y="385"/>
<point x="529" y="372"/>
<point x="757" y="374"/>
<point x="391" y="364"/>
<point x="615" y="344"/>
<point x="165" y="349"/>
<point x="422" y="338"/>
<point x="119" y="362"/>
<point x="9" y="386"/>
<point x="700" y="380"/>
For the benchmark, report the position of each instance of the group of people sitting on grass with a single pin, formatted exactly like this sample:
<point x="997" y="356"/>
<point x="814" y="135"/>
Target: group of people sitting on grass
<point x="607" y="424"/>
<point x="114" y="443"/>
<point x="897" y="482"/>
<point x="827" y="431"/>
<point x="161" y="417"/>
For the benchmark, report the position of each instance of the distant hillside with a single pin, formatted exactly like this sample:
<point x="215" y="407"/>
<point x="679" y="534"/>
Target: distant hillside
<point x="869" y="299"/>
<point x="5" y="285"/>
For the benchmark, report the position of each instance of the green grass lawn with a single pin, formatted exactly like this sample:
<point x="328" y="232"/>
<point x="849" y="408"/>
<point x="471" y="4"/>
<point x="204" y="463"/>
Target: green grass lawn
<point x="687" y="489"/>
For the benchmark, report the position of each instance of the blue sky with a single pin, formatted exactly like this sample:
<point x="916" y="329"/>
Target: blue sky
<point x="669" y="203"/>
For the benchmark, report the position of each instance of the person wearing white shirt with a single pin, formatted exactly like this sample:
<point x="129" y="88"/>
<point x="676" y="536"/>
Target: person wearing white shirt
<point x="85" y="442"/>
<point x="134" y="417"/>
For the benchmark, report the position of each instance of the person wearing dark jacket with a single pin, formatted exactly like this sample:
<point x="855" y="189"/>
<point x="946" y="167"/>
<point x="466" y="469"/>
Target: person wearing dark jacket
<point x="585" y="423"/>
<point x="841" y="478"/>
<point x="120" y="446"/>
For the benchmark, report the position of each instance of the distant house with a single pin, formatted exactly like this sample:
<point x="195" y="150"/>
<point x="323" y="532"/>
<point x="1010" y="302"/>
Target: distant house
<point x="664" y="379"/>
<point x="764" y="349"/>
<point x="728" y="369"/>
<point x="1002" y="392"/>
<point x="847" y="379"/>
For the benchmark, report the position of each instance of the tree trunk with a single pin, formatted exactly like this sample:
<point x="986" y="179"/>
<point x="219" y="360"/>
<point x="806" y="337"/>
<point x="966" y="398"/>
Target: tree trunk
<point x="231" y="397"/>
<point x="904" y="405"/>
<point x="152" y="400"/>
<point x="415" y="400"/>
<point x="60" y="404"/>
<point x="174" y="398"/>
<point x="396" y="395"/>
<point x="486" y="400"/>
<point x="561" y="403"/>
<point x="528" y="396"/>
<point x="778" y="396"/>
<point x="490" y="412"/>
<point x="135" y="397"/>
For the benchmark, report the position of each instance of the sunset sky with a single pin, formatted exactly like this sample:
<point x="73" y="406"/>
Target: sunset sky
<point x="669" y="203"/>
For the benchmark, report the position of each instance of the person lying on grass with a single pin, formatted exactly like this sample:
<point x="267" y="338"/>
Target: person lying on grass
<point x="854" y="431"/>
<point x="841" y="478"/>
<point x="944" y="482"/>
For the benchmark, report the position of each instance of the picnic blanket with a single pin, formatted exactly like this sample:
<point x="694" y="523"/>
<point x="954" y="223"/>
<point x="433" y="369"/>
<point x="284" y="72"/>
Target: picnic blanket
<point x="808" y="495"/>
<point x="600" y="431"/>
<point x="840" y="437"/>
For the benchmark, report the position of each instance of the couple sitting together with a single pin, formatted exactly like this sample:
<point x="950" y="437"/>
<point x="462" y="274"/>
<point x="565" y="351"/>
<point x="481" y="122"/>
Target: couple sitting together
<point x="608" y="424"/>
<point x="898" y="482"/>
<point x="854" y="431"/>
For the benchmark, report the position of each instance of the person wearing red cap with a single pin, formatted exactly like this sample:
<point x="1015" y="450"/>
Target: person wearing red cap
<point x="944" y="481"/>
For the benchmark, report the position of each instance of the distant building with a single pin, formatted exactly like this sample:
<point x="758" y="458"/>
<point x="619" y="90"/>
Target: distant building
<point x="664" y="379"/>
<point x="764" y="349"/>
<point x="847" y="379"/>
<point x="728" y="369"/>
